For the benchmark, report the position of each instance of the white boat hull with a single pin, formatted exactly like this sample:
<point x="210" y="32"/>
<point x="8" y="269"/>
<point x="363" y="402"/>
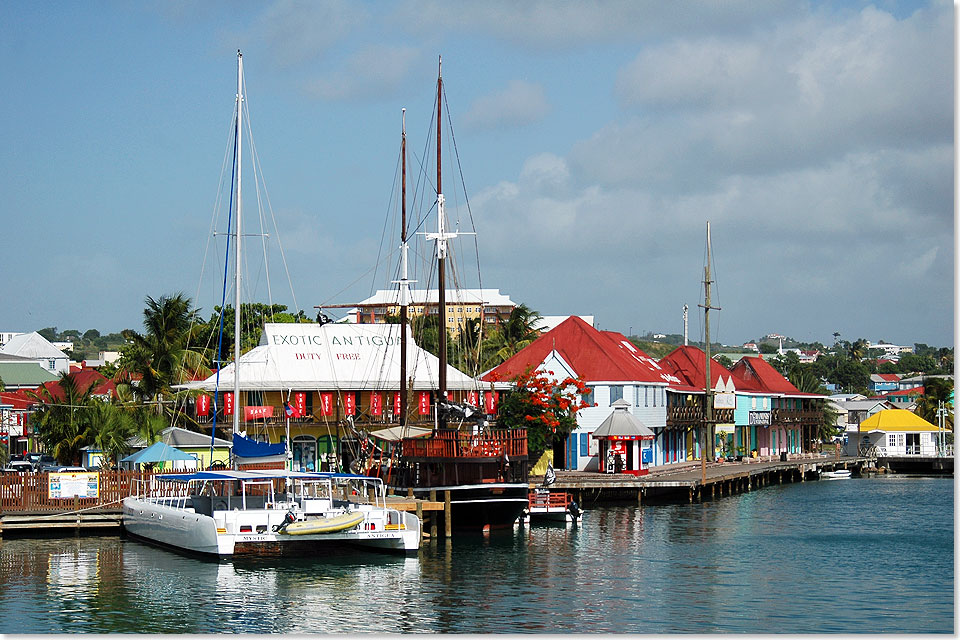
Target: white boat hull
<point x="251" y="531"/>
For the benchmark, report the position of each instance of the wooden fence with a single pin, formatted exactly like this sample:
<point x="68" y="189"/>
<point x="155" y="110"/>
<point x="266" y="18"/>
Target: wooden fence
<point x="30" y="492"/>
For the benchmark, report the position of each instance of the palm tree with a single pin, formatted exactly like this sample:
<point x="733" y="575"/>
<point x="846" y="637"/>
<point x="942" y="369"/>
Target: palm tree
<point x="514" y="332"/>
<point x="62" y="423"/>
<point x="935" y="392"/>
<point x="111" y="428"/>
<point x="858" y="349"/>
<point x="162" y="356"/>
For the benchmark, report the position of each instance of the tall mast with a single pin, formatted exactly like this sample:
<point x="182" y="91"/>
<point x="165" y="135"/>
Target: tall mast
<point x="404" y="282"/>
<point x="441" y="251"/>
<point x="706" y="444"/>
<point x="237" y="254"/>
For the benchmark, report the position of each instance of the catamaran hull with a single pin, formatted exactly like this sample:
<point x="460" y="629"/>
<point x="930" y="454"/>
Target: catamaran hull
<point x="197" y="533"/>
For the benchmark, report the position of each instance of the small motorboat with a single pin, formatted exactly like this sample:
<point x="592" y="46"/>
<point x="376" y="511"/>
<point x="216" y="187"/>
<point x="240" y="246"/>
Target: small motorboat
<point x="838" y="474"/>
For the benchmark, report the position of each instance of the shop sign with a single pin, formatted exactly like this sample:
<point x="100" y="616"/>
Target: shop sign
<point x="376" y="403"/>
<point x="759" y="418"/>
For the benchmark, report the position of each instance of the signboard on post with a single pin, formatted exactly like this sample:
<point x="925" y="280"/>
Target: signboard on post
<point x="73" y="485"/>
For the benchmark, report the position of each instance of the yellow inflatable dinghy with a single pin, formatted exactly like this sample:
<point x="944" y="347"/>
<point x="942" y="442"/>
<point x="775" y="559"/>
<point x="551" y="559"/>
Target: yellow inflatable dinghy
<point x="324" y="525"/>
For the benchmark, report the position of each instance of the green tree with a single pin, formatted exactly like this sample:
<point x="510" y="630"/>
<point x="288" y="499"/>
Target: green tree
<point x="513" y="332"/>
<point x="49" y="333"/>
<point x="161" y="356"/>
<point x="546" y="408"/>
<point x="766" y="347"/>
<point x="62" y="423"/>
<point x="936" y="392"/>
<point x="724" y="361"/>
<point x="110" y="428"/>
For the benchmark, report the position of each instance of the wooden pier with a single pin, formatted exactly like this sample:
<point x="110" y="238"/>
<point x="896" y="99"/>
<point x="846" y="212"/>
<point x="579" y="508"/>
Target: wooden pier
<point x="684" y="482"/>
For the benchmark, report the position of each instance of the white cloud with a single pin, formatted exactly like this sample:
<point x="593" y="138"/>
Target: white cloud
<point x="520" y="103"/>
<point x="300" y="31"/>
<point x="373" y="72"/>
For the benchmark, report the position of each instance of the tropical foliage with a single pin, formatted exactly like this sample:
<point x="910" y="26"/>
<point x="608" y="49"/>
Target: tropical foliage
<point x="69" y="420"/>
<point x="936" y="395"/>
<point x="162" y="356"/>
<point x="545" y="407"/>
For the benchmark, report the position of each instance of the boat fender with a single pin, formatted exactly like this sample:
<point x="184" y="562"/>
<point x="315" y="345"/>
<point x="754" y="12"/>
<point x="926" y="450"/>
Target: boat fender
<point x="574" y="509"/>
<point x="288" y="519"/>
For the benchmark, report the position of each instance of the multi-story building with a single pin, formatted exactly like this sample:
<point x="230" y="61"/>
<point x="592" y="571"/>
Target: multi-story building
<point x="614" y="369"/>
<point x="462" y="305"/>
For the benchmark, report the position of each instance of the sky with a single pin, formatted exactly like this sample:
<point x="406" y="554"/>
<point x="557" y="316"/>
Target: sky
<point x="595" y="139"/>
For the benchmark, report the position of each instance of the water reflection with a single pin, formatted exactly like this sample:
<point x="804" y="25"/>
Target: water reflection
<point x="768" y="561"/>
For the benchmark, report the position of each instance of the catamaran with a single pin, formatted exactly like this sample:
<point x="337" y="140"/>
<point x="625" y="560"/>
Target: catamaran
<point x="229" y="512"/>
<point x="268" y="512"/>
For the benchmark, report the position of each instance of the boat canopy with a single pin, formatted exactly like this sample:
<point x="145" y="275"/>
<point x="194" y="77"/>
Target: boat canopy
<point x="259" y="474"/>
<point x="247" y="448"/>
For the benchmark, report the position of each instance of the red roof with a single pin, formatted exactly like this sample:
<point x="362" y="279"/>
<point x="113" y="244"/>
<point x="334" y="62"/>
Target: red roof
<point x="915" y="391"/>
<point x="888" y="377"/>
<point x="759" y="376"/>
<point x="19" y="399"/>
<point x="84" y="379"/>
<point x="594" y="355"/>
<point x="689" y="364"/>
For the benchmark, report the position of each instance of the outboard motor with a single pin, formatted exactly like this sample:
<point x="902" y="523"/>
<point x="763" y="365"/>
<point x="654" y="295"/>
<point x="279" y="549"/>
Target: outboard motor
<point x="574" y="509"/>
<point x="288" y="519"/>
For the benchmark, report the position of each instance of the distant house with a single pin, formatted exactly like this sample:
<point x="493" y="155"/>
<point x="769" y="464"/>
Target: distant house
<point x="901" y="398"/>
<point x="612" y="367"/>
<point x="773" y="417"/>
<point x="22" y="373"/>
<point x="884" y="382"/>
<point x="853" y="412"/>
<point x="100" y="386"/>
<point x="40" y="350"/>
<point x="686" y="402"/>
<point x="896" y="432"/>
<point x="918" y="381"/>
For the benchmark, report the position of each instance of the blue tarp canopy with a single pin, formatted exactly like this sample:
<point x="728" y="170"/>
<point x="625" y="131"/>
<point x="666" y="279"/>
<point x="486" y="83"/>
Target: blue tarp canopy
<point x="247" y="448"/>
<point x="157" y="452"/>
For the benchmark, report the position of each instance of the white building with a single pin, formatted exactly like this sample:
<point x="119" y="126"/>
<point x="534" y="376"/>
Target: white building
<point x="37" y="348"/>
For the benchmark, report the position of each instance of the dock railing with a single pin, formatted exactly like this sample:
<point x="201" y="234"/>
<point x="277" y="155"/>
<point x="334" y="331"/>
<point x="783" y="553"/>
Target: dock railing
<point x="31" y="492"/>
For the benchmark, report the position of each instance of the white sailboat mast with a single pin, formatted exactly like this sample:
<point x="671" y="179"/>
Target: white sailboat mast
<point x="237" y="254"/>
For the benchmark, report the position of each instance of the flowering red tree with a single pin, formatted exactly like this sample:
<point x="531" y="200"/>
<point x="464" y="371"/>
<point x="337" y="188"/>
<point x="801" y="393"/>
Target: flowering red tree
<point x="545" y="407"/>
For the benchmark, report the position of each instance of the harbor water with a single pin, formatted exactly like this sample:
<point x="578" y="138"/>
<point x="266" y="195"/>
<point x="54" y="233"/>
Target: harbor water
<point x="870" y="555"/>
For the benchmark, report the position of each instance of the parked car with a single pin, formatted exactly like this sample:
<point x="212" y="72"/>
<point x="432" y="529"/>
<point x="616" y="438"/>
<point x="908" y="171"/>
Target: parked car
<point x="41" y="460"/>
<point x="18" y="466"/>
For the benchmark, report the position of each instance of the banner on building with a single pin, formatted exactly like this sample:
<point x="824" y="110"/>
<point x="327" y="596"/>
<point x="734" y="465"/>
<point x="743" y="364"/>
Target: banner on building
<point x="490" y="401"/>
<point x="376" y="403"/>
<point x="228" y="404"/>
<point x="203" y="405"/>
<point x="326" y="404"/>
<point x="349" y="404"/>
<point x="299" y="404"/>
<point x="424" y="403"/>
<point x="396" y="403"/>
<point x="257" y="412"/>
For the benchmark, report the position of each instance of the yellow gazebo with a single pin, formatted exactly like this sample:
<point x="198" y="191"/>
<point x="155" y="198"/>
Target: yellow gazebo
<point x="898" y="432"/>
